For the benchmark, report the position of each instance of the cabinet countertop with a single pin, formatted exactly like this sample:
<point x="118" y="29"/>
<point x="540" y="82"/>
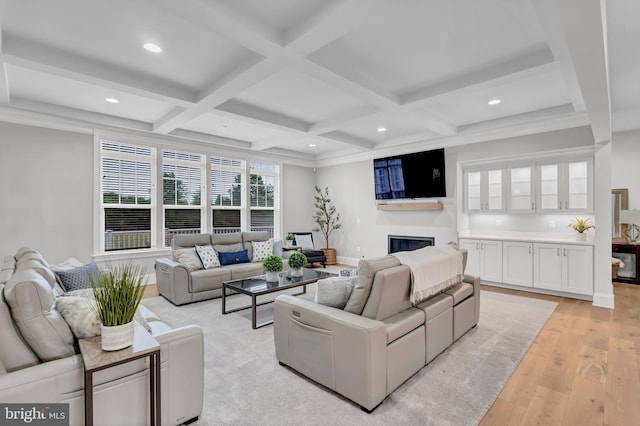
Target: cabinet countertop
<point x="526" y="237"/>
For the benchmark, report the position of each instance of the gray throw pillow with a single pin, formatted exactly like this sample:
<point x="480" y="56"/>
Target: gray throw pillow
<point x="78" y="278"/>
<point x="335" y="291"/>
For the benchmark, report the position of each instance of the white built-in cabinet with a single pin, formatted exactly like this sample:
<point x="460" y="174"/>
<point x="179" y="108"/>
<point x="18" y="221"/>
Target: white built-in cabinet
<point x="540" y="187"/>
<point x="565" y="187"/>
<point x="484" y="258"/>
<point x="517" y="263"/>
<point x="563" y="267"/>
<point x="485" y="190"/>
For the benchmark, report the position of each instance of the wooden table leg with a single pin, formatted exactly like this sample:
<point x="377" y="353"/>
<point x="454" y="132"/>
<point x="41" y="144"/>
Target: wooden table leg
<point x="88" y="398"/>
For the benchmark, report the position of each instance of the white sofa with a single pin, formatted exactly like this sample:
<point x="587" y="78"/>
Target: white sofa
<point x="40" y="362"/>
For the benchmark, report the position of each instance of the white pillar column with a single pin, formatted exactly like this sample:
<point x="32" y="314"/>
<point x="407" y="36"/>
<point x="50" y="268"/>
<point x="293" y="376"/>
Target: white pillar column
<point x="603" y="287"/>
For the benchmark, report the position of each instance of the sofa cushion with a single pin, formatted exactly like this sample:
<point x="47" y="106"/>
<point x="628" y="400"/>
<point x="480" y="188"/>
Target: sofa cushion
<point x="232" y="238"/>
<point x="260" y="250"/>
<point x="208" y="256"/>
<point x="402" y="323"/>
<point x="459" y="292"/>
<point x="248" y="238"/>
<point x="190" y="240"/>
<point x="436" y="305"/>
<point x="209" y="279"/>
<point x="367" y="269"/>
<point x="31" y="255"/>
<point x="24" y="250"/>
<point x="335" y="291"/>
<point x="15" y="353"/>
<point x="189" y="258"/>
<point x="78" y="278"/>
<point x="389" y="294"/>
<point x="228" y="248"/>
<point x="31" y="301"/>
<point x="45" y="272"/>
<point x="234" y="257"/>
<point x="245" y="270"/>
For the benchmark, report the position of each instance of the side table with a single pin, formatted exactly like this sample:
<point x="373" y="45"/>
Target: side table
<point x="95" y="359"/>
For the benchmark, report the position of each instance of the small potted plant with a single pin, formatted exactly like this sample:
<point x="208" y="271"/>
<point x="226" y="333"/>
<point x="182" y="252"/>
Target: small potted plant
<point x="272" y="265"/>
<point x="297" y="260"/>
<point x="581" y="226"/>
<point x="118" y="292"/>
<point x="288" y="240"/>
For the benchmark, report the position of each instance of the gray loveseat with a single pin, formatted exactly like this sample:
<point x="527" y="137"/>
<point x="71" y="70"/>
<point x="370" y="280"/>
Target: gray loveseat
<point x="379" y="340"/>
<point x="40" y="362"/>
<point x="180" y="285"/>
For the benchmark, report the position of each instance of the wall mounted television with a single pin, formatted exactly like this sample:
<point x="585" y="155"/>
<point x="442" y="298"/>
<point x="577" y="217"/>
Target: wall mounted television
<point x="407" y="176"/>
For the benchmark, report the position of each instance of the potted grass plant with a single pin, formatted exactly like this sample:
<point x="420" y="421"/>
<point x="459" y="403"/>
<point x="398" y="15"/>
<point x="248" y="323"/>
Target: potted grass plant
<point x="581" y="226"/>
<point x="288" y="239"/>
<point x="272" y="265"/>
<point x="296" y="261"/>
<point x="117" y="292"/>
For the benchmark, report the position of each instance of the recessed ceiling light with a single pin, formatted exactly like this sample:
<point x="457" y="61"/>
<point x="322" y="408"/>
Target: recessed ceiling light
<point x="112" y="100"/>
<point x="494" y="101"/>
<point x="152" y="47"/>
<point x="312" y="145"/>
<point x="382" y="129"/>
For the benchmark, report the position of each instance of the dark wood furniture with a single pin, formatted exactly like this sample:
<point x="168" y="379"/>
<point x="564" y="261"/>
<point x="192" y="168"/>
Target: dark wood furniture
<point x="629" y="253"/>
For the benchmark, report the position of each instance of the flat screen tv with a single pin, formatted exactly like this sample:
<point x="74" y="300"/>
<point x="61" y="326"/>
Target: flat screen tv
<point x="416" y="175"/>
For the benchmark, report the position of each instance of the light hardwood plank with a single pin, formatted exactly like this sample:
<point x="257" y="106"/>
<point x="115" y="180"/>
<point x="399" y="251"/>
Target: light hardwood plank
<point x="586" y="403"/>
<point x="622" y="398"/>
<point x="546" y="408"/>
<point x="592" y="364"/>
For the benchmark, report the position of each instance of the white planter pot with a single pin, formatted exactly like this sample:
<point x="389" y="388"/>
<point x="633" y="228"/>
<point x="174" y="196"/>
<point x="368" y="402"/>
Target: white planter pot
<point x="581" y="236"/>
<point x="296" y="272"/>
<point x="117" y="337"/>
<point x="272" y="276"/>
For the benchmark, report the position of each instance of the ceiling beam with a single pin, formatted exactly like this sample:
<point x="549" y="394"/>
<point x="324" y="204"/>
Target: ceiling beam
<point x="219" y="140"/>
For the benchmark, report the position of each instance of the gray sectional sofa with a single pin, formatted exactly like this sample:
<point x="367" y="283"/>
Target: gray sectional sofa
<point x="40" y="362"/>
<point x="377" y="342"/>
<point x="181" y="286"/>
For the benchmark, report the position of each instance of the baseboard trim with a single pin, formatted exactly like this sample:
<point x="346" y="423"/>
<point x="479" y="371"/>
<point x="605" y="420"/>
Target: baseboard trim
<point x="603" y="300"/>
<point x="353" y="261"/>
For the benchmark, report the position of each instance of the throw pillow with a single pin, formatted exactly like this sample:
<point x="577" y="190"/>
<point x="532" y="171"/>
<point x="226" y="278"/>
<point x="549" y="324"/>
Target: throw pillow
<point x="77" y="278"/>
<point x="335" y="292"/>
<point x="305" y="241"/>
<point x="234" y="257"/>
<point x="261" y="249"/>
<point x="189" y="258"/>
<point x="79" y="313"/>
<point x="208" y="256"/>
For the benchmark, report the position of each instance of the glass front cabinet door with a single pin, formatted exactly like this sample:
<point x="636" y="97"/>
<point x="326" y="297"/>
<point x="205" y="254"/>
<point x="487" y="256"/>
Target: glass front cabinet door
<point x="521" y="189"/>
<point x="565" y="187"/>
<point x="484" y="191"/>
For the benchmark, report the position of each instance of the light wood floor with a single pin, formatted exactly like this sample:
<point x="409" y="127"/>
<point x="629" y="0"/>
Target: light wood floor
<point x="582" y="369"/>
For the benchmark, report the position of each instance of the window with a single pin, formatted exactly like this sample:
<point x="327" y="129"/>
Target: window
<point x="128" y="173"/>
<point x="182" y="177"/>
<point x="263" y="180"/>
<point x="227" y="194"/>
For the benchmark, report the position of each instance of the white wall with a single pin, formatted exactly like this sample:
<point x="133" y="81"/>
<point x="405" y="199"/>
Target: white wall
<point x="625" y="154"/>
<point x="297" y="201"/>
<point x="46" y="187"/>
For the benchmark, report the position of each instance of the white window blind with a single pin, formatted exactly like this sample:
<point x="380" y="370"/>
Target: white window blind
<point x="182" y="176"/>
<point x="227" y="188"/>
<point x="127" y="195"/>
<point x="263" y="188"/>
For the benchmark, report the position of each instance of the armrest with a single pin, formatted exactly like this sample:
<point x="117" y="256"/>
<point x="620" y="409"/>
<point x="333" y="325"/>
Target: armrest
<point x="475" y="281"/>
<point x="173" y="281"/>
<point x="182" y="357"/>
<point x="277" y="247"/>
<point x="341" y="350"/>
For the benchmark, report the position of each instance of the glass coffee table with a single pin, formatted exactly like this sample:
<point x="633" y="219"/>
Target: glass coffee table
<point x="258" y="286"/>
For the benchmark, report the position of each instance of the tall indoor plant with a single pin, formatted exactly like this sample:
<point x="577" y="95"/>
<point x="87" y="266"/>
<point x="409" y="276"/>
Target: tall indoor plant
<point x="118" y="292"/>
<point x="327" y="220"/>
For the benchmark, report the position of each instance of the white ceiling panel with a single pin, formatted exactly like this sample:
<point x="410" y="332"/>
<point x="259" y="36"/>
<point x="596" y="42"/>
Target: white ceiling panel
<point x="397" y="123"/>
<point x="54" y="90"/>
<point x="528" y="95"/>
<point x="281" y="15"/>
<point x="294" y="94"/>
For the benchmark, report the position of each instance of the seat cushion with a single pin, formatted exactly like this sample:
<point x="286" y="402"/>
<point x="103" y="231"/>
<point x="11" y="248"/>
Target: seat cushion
<point x="245" y="270"/>
<point x="436" y="305"/>
<point x="15" y="353"/>
<point x="459" y="292"/>
<point x="190" y="240"/>
<point x="402" y="323"/>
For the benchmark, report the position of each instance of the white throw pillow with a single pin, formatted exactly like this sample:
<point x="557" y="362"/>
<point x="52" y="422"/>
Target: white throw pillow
<point x="304" y="241"/>
<point x="261" y="249"/>
<point x="335" y="291"/>
<point x="189" y="258"/>
<point x="79" y="314"/>
<point x="208" y="256"/>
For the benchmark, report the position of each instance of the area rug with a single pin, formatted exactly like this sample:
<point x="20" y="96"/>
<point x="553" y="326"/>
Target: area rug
<point x="245" y="385"/>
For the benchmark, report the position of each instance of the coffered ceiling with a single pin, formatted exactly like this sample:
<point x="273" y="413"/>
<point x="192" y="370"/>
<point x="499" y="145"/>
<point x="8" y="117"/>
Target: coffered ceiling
<point x="317" y="80"/>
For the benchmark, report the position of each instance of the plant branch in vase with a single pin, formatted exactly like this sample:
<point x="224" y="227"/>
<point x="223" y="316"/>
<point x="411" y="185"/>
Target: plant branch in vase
<point x="327" y="220"/>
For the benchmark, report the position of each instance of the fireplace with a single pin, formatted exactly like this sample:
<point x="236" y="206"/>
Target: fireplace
<point x="407" y="242"/>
